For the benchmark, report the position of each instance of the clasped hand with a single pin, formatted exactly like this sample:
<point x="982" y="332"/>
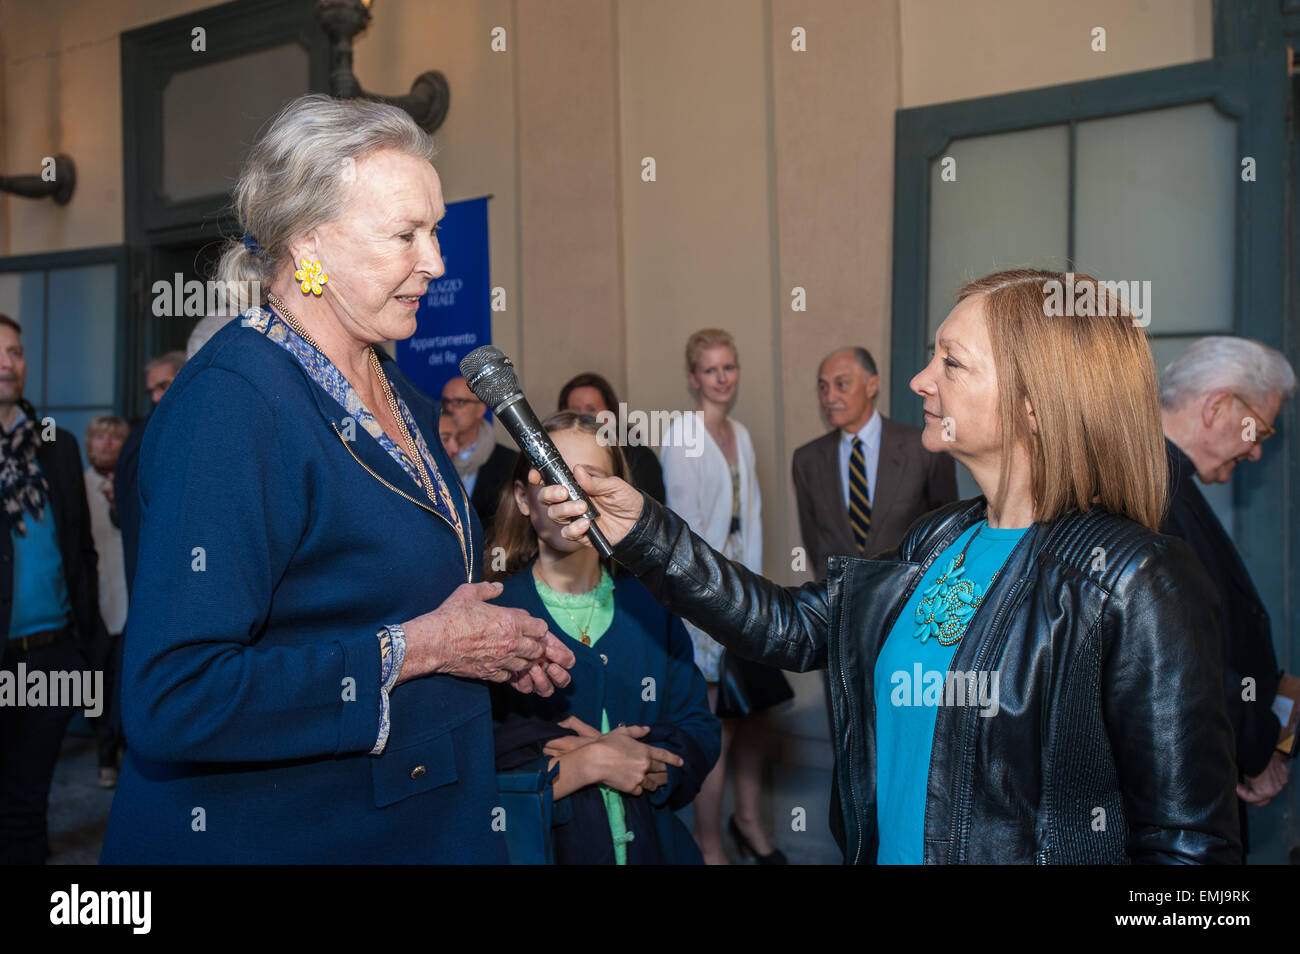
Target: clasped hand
<point x="469" y="637"/>
<point x="615" y="758"/>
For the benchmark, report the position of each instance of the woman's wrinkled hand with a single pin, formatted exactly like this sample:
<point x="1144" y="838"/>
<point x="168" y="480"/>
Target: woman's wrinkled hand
<point x="469" y="637"/>
<point x="618" y="502"/>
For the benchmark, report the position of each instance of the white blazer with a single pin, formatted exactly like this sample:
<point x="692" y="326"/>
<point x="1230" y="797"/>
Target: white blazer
<point x="698" y="489"/>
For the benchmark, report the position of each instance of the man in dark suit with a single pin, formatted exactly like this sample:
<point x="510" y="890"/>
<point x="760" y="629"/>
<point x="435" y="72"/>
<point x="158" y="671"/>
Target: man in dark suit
<point x="1219" y="400"/>
<point x="158" y="376"/>
<point x="49" y="599"/>
<point x="862" y="485"/>
<point x="483" y="465"/>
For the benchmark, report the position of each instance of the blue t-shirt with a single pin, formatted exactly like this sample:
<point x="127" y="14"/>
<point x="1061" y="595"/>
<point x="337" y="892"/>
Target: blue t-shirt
<point x="910" y="683"/>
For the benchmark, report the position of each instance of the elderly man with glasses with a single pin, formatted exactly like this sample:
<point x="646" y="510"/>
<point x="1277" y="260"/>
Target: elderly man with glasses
<point x="483" y="465"/>
<point x="1219" y="400"/>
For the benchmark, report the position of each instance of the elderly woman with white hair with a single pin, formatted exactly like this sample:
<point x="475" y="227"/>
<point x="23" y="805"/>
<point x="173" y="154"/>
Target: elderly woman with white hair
<point x="308" y="640"/>
<point x="1218" y="401"/>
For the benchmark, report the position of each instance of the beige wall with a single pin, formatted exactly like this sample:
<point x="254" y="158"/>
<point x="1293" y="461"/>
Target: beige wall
<point x="959" y="49"/>
<point x="834" y="195"/>
<point x="699" y="241"/>
<point x="61" y="79"/>
<point x="477" y="145"/>
<point x="774" y="167"/>
<point x="570" y="181"/>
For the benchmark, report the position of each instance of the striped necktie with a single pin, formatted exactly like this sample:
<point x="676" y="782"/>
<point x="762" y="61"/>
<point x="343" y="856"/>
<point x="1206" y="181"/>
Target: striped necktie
<point x="859" y="504"/>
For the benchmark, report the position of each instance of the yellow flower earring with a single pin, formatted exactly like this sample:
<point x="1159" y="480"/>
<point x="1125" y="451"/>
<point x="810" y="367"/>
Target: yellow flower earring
<point x="311" y="276"/>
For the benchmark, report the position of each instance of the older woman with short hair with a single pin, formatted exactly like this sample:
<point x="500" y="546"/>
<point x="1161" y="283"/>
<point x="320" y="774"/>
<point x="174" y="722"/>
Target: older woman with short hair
<point x="308" y="640"/>
<point x="1033" y="677"/>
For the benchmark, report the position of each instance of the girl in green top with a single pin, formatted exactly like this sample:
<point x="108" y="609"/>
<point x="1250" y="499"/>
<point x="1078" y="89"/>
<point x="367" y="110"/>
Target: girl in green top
<point x="631" y="738"/>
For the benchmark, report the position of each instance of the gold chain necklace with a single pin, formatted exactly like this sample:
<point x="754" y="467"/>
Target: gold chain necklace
<point x="591" y="613"/>
<point x="426" y="482"/>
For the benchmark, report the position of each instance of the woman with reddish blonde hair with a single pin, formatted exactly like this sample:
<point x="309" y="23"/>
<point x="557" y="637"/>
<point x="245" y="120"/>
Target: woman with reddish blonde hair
<point x="1034" y="675"/>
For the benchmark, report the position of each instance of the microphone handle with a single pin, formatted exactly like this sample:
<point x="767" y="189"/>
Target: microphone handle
<point x="518" y="418"/>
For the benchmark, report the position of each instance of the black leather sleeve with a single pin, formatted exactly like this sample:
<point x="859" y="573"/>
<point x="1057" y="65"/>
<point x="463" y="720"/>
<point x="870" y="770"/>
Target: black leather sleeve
<point x="786" y="627"/>
<point x="1162" y="698"/>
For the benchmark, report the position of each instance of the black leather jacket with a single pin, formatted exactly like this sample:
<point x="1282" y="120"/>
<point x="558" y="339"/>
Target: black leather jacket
<point x="1110" y="743"/>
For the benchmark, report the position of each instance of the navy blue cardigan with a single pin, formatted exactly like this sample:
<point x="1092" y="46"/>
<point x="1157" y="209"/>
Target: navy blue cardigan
<point x="640" y="672"/>
<point x="269" y="557"/>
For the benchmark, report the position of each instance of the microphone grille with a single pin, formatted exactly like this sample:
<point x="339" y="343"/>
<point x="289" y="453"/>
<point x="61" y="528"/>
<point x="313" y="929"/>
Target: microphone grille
<point x="489" y="374"/>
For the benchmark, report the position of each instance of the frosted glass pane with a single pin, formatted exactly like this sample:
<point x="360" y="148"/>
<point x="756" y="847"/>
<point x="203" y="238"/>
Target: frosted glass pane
<point x="82" y="314"/>
<point x="1164" y="350"/>
<point x="22" y="298"/>
<point x="211" y="114"/>
<point x="1154" y="202"/>
<point x="1008" y="206"/>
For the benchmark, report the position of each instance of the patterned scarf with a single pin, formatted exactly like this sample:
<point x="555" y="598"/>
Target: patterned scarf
<point x="23" y="488"/>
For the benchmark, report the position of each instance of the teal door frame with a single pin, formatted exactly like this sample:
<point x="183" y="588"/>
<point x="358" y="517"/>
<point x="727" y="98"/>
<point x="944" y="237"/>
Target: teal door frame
<point x="1254" y="90"/>
<point x="151" y="56"/>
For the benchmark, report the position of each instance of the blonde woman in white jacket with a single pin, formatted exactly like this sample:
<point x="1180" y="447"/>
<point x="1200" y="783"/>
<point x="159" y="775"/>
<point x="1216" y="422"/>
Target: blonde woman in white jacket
<point x="712" y="483"/>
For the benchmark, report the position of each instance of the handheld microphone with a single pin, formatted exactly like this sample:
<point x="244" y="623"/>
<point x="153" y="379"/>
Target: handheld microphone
<point x="491" y="376"/>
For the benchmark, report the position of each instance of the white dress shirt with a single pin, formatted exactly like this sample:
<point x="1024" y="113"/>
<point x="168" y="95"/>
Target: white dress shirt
<point x="870" y="435"/>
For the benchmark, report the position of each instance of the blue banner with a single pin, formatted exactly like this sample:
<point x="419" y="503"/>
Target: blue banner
<point x="455" y="315"/>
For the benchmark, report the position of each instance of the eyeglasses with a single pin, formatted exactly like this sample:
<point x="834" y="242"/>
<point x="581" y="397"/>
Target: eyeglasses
<point x="1263" y="431"/>
<point x="459" y="403"/>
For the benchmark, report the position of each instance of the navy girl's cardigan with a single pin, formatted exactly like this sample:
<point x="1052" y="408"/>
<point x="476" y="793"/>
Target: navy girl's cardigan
<point x="641" y="672"/>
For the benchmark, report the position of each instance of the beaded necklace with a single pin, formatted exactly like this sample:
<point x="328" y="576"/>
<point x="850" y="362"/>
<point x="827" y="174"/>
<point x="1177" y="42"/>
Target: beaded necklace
<point x="950" y="601"/>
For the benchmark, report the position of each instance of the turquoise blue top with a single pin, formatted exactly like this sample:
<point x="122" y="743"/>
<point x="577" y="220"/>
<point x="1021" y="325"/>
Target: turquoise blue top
<point x="40" y="591"/>
<point x="911" y="682"/>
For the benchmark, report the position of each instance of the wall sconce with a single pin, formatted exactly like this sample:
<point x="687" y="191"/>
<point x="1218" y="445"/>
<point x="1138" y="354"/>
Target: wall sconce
<point x="342" y="20"/>
<point x="60" y="186"/>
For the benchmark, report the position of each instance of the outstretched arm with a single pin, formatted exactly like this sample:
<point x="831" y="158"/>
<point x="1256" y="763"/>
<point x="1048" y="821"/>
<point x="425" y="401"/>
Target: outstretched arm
<point x="786" y="627"/>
